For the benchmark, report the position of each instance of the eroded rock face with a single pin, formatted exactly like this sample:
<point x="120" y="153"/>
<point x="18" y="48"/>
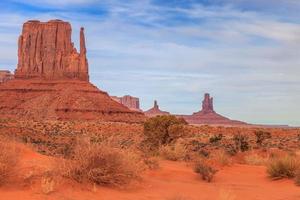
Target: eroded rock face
<point x="133" y="103"/>
<point x="46" y="51"/>
<point x="52" y="80"/>
<point x="207" y="104"/>
<point x="155" y="111"/>
<point x="5" y="76"/>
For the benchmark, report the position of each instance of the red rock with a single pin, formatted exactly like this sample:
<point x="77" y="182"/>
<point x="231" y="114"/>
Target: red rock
<point x="5" y="76"/>
<point x="208" y="116"/>
<point x="133" y="103"/>
<point x="52" y="80"/>
<point x="155" y="111"/>
<point x="46" y="51"/>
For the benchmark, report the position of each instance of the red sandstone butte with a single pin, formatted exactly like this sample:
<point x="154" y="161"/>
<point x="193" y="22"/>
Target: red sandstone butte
<point x="155" y="111"/>
<point x="46" y="50"/>
<point x="133" y="103"/>
<point x="208" y="116"/>
<point x="52" y="80"/>
<point x="5" y="76"/>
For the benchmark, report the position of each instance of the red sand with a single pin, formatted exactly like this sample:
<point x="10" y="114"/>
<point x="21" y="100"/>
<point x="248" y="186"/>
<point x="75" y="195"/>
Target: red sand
<point x="174" y="179"/>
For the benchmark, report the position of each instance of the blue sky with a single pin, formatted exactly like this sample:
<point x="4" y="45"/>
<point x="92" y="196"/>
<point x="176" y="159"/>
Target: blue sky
<point x="245" y="53"/>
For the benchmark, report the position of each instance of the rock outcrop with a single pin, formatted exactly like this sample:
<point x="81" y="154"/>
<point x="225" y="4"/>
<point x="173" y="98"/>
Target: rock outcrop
<point x="52" y="80"/>
<point x="155" y="111"/>
<point x="208" y="116"/>
<point x="46" y="51"/>
<point x="5" y="76"/>
<point x="133" y="103"/>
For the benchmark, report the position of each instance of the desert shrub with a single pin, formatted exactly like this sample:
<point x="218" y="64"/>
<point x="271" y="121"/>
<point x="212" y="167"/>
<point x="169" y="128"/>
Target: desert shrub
<point x="103" y="165"/>
<point x="255" y="159"/>
<point x="297" y="177"/>
<point x="261" y="136"/>
<point x="216" y="138"/>
<point x="9" y="158"/>
<point x="173" y="152"/>
<point x="152" y="163"/>
<point x="241" y="142"/>
<point x="47" y="184"/>
<point x="221" y="157"/>
<point x="206" y="170"/>
<point x="283" y="167"/>
<point x="162" y="130"/>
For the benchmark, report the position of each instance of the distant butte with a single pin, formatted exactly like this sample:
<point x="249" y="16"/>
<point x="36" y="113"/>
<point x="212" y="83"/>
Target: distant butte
<point x="5" y="76"/>
<point x="155" y="111"/>
<point x="208" y="116"/>
<point x="133" y="103"/>
<point x="52" y="81"/>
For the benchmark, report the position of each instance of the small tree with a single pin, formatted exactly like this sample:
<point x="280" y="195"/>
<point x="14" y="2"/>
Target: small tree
<point x="241" y="142"/>
<point x="162" y="130"/>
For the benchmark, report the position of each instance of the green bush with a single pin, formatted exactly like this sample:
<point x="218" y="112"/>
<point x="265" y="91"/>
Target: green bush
<point x="216" y="138"/>
<point x="162" y="130"/>
<point x="241" y="142"/>
<point x="261" y="136"/>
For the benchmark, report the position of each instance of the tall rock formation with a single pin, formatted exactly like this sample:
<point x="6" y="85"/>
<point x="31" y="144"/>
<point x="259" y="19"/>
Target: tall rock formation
<point x="133" y="103"/>
<point x="47" y="51"/>
<point x="208" y="116"/>
<point x="52" y="80"/>
<point x="207" y="104"/>
<point x="155" y="111"/>
<point x="5" y="76"/>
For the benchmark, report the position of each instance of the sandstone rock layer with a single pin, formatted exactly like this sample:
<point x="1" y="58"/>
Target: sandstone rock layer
<point x="133" y="103"/>
<point x="52" y="81"/>
<point x="37" y="99"/>
<point x="155" y="111"/>
<point x="46" y="51"/>
<point x="5" y="76"/>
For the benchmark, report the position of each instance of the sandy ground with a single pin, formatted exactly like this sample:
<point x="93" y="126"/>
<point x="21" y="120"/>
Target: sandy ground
<point x="173" y="181"/>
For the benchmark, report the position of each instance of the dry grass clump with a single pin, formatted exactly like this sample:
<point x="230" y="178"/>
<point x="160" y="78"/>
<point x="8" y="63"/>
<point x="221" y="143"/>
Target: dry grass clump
<point x="255" y="159"/>
<point x="221" y="157"/>
<point x="47" y="184"/>
<point x="152" y="163"/>
<point x="297" y="177"/>
<point x="283" y="167"/>
<point x="102" y="164"/>
<point x="206" y="170"/>
<point x="9" y="158"/>
<point x="176" y="152"/>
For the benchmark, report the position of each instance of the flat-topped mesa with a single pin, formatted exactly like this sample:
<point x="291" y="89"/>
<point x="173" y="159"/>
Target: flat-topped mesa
<point x="47" y="51"/>
<point x="207" y="104"/>
<point x="5" y="76"/>
<point x="133" y="103"/>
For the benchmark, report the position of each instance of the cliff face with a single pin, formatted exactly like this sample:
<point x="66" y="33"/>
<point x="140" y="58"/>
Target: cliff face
<point x="52" y="80"/>
<point x="133" y="103"/>
<point x="5" y="76"/>
<point x="46" y="51"/>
